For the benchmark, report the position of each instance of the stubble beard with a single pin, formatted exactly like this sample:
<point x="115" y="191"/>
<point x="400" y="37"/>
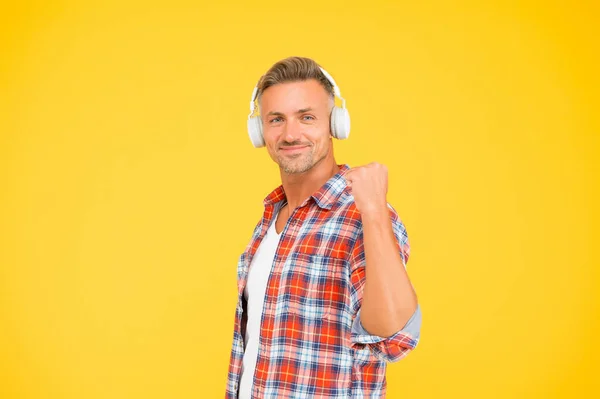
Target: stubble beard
<point x="299" y="164"/>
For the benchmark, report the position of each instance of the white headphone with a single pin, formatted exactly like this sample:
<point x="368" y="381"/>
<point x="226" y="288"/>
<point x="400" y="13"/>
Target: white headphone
<point x="340" y="118"/>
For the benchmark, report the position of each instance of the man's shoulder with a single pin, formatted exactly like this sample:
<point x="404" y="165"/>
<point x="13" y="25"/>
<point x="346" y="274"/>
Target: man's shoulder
<point x="346" y="206"/>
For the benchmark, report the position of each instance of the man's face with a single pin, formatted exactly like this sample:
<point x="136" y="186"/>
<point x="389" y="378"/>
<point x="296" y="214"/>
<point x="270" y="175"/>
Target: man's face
<point x="295" y="118"/>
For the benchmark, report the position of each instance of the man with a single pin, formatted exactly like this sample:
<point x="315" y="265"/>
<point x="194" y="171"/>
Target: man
<point x="324" y="300"/>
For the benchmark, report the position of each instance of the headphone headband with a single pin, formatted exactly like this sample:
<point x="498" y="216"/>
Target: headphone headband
<point x="336" y="89"/>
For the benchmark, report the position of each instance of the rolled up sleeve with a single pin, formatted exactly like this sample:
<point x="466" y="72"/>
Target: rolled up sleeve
<point x="393" y="348"/>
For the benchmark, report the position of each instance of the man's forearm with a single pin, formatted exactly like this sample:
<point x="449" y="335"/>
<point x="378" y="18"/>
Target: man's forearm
<point x="389" y="299"/>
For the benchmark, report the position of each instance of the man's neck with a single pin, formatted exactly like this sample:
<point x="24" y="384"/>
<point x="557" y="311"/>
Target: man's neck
<point x="299" y="187"/>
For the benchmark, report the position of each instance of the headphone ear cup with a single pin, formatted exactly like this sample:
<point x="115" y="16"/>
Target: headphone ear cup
<point x="340" y="123"/>
<point x="255" y="131"/>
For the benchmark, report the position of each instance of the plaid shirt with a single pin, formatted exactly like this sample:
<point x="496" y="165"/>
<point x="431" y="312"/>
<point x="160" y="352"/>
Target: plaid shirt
<point x="312" y="344"/>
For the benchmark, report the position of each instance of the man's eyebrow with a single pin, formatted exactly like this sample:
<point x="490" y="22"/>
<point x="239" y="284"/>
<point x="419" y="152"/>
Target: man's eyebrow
<point x="300" y="111"/>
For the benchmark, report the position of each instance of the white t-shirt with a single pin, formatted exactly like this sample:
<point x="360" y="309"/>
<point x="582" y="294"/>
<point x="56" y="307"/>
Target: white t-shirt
<point x="254" y="292"/>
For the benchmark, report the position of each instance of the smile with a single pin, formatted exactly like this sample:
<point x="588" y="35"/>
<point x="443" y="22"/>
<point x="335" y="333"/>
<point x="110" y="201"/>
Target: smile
<point x="294" y="149"/>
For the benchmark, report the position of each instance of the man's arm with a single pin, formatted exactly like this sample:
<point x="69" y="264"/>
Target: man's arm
<point x="401" y="343"/>
<point x="389" y="299"/>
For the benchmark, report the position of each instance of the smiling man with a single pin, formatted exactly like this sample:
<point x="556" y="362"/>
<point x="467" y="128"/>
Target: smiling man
<point x="324" y="299"/>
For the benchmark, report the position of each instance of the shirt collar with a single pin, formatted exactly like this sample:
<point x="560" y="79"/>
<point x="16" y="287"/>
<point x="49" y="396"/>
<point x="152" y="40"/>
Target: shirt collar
<point x="325" y="197"/>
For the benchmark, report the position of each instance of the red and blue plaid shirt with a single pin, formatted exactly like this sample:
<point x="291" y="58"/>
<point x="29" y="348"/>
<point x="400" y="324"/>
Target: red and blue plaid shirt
<point x="312" y="344"/>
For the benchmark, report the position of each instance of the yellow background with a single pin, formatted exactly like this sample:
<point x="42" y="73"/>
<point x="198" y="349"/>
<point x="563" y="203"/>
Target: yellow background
<point x="129" y="186"/>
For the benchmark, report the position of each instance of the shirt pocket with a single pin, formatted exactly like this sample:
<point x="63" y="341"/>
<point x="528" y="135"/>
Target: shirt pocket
<point x="316" y="286"/>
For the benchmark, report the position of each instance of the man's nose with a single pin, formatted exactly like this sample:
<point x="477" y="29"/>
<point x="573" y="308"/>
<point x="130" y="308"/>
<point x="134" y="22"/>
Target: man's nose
<point x="292" y="130"/>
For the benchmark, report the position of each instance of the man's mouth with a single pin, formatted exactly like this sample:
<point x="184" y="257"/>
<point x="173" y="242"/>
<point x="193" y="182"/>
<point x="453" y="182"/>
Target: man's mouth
<point x="293" y="149"/>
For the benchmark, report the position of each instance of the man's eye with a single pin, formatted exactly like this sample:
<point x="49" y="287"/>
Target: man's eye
<point x="308" y="116"/>
<point x="278" y="119"/>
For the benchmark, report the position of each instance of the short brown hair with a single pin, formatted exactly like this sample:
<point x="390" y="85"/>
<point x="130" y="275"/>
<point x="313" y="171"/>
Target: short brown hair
<point x="293" y="69"/>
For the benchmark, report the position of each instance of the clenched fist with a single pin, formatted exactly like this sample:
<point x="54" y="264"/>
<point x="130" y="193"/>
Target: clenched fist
<point x="368" y="185"/>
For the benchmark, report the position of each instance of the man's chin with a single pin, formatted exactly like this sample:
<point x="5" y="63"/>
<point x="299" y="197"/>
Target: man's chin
<point x="295" y="171"/>
<point x="293" y="168"/>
